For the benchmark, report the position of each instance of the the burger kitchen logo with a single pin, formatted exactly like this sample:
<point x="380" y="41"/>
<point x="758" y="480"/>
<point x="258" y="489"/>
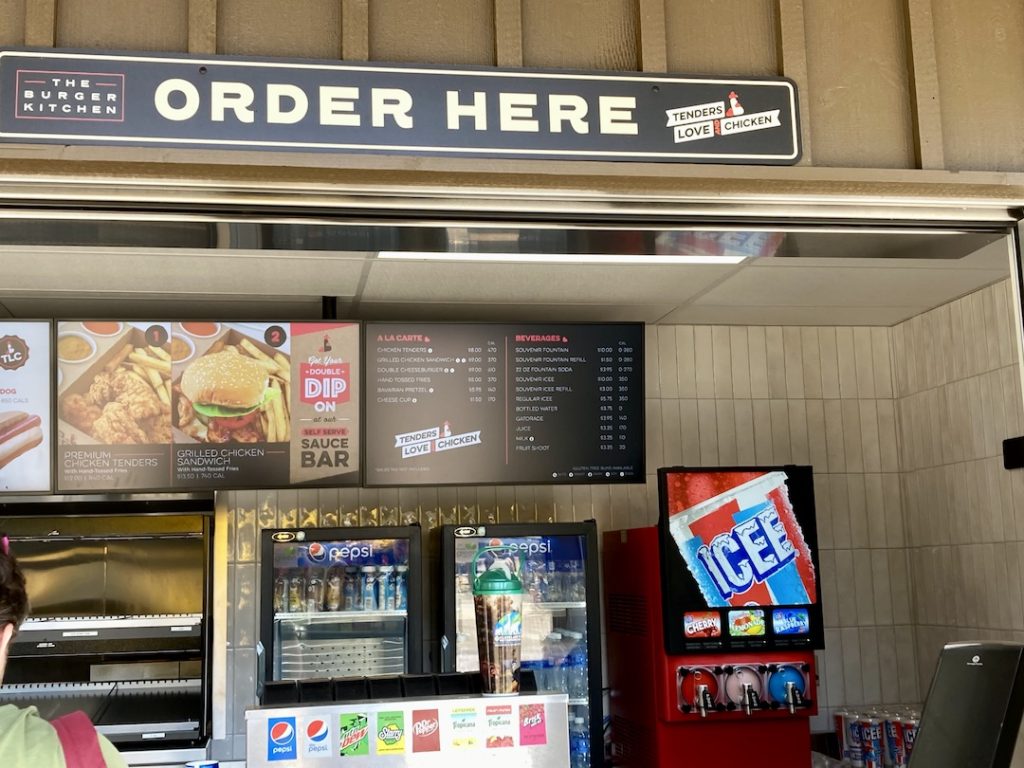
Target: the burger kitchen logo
<point x="718" y="118"/>
<point x="70" y="96"/>
<point x="434" y="440"/>
<point x="13" y="353"/>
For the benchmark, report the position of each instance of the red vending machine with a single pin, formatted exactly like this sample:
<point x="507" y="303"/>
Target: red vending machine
<point x="713" y="618"/>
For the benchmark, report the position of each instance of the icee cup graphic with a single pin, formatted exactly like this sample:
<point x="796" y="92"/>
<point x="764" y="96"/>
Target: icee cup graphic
<point x="498" y="600"/>
<point x="743" y="545"/>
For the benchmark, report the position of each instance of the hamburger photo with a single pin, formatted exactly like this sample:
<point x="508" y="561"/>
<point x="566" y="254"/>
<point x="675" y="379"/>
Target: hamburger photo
<point x="225" y="397"/>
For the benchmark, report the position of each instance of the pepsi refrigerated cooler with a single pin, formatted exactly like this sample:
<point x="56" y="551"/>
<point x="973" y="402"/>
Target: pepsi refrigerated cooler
<point x="561" y="620"/>
<point x="341" y="602"/>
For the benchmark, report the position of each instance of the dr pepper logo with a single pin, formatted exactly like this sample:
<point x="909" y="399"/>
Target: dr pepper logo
<point x="325" y="385"/>
<point x="426" y="731"/>
<point x="13" y="353"/>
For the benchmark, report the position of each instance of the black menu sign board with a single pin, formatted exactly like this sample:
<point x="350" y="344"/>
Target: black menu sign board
<point x="200" y="405"/>
<point x="450" y="403"/>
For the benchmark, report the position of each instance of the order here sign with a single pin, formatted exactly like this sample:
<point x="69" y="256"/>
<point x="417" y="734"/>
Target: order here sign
<point x="67" y="97"/>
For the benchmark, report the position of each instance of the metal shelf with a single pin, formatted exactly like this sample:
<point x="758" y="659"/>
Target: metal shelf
<point x="334" y="617"/>
<point x="560" y="606"/>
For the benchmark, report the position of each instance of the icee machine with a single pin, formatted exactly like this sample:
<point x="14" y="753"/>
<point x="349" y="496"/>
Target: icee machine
<point x="713" y="618"/>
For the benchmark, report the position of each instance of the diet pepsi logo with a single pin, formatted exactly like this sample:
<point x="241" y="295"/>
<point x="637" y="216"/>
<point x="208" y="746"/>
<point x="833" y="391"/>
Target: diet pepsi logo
<point x="317" y="552"/>
<point x="318" y="743"/>
<point x="281" y="739"/>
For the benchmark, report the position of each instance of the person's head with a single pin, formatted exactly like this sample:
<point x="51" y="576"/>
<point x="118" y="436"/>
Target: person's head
<point x="13" y="600"/>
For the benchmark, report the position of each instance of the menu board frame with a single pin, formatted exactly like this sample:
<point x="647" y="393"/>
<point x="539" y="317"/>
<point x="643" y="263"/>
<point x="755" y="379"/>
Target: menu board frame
<point x="185" y="487"/>
<point x="641" y="438"/>
<point x="49" y="428"/>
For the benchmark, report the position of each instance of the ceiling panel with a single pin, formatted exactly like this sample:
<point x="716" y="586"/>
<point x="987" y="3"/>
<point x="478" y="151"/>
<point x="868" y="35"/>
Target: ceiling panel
<point x="846" y="287"/>
<point x="537" y="283"/>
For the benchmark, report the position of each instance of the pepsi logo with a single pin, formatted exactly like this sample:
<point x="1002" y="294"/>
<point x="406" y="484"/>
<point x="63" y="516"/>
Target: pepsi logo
<point x="316" y="730"/>
<point x="317" y="552"/>
<point x="282" y="733"/>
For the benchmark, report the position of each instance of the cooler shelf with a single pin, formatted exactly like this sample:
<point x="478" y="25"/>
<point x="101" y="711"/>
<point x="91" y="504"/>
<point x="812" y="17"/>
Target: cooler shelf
<point x="334" y="617"/>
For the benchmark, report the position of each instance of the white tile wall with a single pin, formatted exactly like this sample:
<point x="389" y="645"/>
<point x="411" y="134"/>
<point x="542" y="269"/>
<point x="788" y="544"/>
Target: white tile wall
<point x="957" y="397"/>
<point x="902" y="425"/>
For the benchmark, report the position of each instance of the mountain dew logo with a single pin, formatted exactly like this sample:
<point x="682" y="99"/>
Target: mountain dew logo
<point x="354" y="735"/>
<point x="390" y="733"/>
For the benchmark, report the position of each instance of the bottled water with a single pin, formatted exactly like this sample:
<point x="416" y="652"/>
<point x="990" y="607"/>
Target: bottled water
<point x="554" y="654"/>
<point x="579" y="744"/>
<point x="576" y="667"/>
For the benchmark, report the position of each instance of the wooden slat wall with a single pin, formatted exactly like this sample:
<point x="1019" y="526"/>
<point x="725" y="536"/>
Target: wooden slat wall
<point x="722" y="36"/>
<point x="581" y="34"/>
<point x="980" y="55"/>
<point x="432" y="31"/>
<point x="883" y="83"/>
<point x="139" y="25"/>
<point x="859" y="99"/>
<point x="311" y="29"/>
<point x="12" y="26"/>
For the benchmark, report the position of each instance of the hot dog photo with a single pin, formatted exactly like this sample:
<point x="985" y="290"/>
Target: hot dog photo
<point x="25" y="463"/>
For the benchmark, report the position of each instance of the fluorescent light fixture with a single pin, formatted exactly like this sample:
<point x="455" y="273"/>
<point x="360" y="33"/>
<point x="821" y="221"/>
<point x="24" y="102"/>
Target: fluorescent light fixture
<point x="561" y="258"/>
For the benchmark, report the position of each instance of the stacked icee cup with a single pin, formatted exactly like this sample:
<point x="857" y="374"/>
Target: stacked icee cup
<point x="498" y="600"/>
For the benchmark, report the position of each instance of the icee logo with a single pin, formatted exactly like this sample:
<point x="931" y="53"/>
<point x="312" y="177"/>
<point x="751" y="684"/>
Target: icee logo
<point x="281" y="738"/>
<point x="751" y="552"/>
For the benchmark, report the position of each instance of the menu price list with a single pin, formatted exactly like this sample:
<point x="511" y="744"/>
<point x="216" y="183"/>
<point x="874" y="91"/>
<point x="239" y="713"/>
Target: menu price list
<point x="461" y="403"/>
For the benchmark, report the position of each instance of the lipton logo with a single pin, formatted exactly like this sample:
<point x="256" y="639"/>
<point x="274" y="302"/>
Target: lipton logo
<point x="424" y="727"/>
<point x="13" y="353"/>
<point x="283" y="536"/>
<point x="468" y="530"/>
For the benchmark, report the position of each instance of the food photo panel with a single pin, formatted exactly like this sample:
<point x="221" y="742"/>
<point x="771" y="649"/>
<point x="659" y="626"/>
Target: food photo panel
<point x="264" y="404"/>
<point x="113" y="405"/>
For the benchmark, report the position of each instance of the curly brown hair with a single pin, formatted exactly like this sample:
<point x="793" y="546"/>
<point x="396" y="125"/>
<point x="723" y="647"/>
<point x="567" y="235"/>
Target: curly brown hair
<point x="13" y="596"/>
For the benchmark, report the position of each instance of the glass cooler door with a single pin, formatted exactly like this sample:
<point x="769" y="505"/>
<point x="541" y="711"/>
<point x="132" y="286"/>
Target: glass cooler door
<point x="557" y="623"/>
<point x="341" y="607"/>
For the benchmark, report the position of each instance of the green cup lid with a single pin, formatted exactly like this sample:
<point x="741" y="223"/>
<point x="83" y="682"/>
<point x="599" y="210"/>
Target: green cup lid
<point x="497" y="582"/>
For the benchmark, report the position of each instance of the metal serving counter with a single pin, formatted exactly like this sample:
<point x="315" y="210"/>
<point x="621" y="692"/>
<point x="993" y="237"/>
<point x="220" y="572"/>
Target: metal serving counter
<point x="526" y="731"/>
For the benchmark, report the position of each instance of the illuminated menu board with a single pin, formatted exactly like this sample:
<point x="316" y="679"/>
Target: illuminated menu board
<point x="198" y="405"/>
<point x="25" y="398"/>
<point x="450" y="403"/>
